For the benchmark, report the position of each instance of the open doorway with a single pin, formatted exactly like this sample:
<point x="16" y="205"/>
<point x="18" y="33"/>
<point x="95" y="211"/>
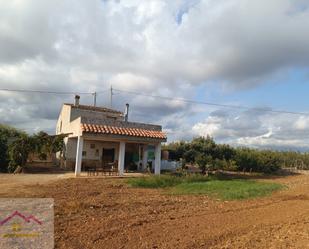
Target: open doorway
<point x="132" y="157"/>
<point x="108" y="157"/>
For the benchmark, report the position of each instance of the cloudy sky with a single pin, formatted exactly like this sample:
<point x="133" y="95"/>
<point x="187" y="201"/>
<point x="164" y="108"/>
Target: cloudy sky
<point x="237" y="52"/>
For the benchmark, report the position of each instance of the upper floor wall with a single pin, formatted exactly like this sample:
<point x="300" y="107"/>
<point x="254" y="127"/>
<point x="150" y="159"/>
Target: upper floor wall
<point x="95" y="113"/>
<point x="72" y="116"/>
<point x="70" y="113"/>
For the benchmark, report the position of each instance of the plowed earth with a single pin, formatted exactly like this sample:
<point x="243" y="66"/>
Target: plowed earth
<point x="106" y="213"/>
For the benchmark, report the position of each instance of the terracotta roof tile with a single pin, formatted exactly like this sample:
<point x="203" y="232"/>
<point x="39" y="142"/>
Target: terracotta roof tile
<point x="125" y="131"/>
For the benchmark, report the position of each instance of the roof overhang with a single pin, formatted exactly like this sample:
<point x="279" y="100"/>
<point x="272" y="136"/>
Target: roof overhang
<point x="126" y="133"/>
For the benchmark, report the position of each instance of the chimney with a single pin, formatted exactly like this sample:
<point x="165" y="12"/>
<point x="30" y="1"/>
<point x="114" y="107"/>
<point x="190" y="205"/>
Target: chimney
<point x="126" y="113"/>
<point x="77" y="97"/>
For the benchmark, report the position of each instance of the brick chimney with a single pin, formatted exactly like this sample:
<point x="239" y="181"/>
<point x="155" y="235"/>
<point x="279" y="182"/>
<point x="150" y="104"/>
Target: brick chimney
<point x="77" y="97"/>
<point x="126" y="113"/>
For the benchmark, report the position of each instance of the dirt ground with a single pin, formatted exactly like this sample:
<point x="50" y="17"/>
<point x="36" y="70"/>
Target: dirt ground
<point x="106" y="213"/>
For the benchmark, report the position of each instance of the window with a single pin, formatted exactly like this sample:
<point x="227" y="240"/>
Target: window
<point x="92" y="146"/>
<point x="97" y="152"/>
<point x="60" y="126"/>
<point x="84" y="153"/>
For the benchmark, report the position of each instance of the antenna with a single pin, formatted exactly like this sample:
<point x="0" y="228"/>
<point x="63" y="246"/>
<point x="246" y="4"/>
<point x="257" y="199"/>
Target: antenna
<point x="94" y="99"/>
<point x="111" y="97"/>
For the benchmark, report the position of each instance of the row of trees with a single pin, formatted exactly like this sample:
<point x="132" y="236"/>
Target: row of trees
<point x="16" y="146"/>
<point x="211" y="156"/>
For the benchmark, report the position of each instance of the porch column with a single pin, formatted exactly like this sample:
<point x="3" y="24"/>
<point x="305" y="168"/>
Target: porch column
<point x="145" y="156"/>
<point x="79" y="155"/>
<point x="121" y="155"/>
<point x="157" y="159"/>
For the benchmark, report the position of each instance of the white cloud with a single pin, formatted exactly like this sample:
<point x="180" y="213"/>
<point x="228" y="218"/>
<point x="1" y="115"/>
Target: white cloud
<point x="263" y="129"/>
<point x="302" y="123"/>
<point x="160" y="47"/>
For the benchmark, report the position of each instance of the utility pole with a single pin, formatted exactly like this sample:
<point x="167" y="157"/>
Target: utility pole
<point x="111" y="97"/>
<point x="94" y="99"/>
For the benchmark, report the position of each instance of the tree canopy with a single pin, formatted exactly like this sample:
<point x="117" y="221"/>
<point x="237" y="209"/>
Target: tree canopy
<point x="15" y="146"/>
<point x="208" y="155"/>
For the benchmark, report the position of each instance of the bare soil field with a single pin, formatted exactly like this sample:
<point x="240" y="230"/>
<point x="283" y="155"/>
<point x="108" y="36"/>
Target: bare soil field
<point x="106" y="213"/>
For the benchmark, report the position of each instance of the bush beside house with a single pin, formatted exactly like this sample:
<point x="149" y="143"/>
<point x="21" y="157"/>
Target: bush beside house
<point x="16" y="146"/>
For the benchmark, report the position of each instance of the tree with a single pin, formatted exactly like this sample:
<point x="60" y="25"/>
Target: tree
<point x="204" y="162"/>
<point x="208" y="155"/>
<point x="15" y="147"/>
<point x="46" y="145"/>
<point x="41" y="144"/>
<point x="3" y="153"/>
<point x="7" y="136"/>
<point x="58" y="143"/>
<point x="19" y="151"/>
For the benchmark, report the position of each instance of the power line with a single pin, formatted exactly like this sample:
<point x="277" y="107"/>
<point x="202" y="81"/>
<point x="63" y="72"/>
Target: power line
<point x="51" y="92"/>
<point x="210" y="103"/>
<point x="94" y="94"/>
<point x="152" y="96"/>
<point x="42" y="91"/>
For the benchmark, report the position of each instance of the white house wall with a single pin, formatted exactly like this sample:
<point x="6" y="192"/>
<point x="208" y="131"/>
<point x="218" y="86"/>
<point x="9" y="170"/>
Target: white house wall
<point x="90" y="157"/>
<point x="75" y="127"/>
<point x="63" y="123"/>
<point x="71" y="146"/>
<point x="91" y="153"/>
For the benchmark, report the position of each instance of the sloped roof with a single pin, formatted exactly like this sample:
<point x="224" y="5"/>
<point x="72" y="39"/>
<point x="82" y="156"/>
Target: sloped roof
<point x="124" y="131"/>
<point x="95" y="108"/>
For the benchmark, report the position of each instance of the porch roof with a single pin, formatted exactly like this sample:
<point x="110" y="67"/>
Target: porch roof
<point x="124" y="131"/>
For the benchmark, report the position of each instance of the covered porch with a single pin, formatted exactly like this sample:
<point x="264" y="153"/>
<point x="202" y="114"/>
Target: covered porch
<point x="123" y="154"/>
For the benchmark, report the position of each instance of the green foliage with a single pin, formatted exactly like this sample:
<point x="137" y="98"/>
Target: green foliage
<point x="46" y="144"/>
<point x="9" y="132"/>
<point x="7" y="136"/>
<point x="227" y="189"/>
<point x="15" y="147"/>
<point x="58" y="143"/>
<point x="177" y="149"/>
<point x="204" y="161"/>
<point x="261" y="161"/>
<point x="19" y="151"/>
<point x="3" y="153"/>
<point x="208" y="155"/>
<point x="42" y="142"/>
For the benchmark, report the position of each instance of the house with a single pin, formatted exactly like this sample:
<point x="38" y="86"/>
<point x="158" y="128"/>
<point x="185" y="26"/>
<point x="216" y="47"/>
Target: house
<point x="99" y="136"/>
